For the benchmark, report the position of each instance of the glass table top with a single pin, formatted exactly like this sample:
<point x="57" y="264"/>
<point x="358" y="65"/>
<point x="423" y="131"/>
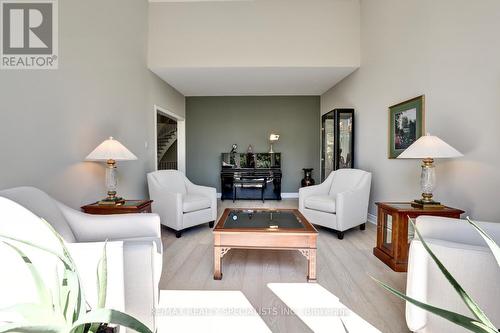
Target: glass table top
<point x="268" y="219"/>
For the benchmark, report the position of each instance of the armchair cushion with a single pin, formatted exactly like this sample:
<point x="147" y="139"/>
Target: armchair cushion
<point x="169" y="181"/>
<point x="346" y="180"/>
<point x="323" y="203"/>
<point x="194" y="202"/>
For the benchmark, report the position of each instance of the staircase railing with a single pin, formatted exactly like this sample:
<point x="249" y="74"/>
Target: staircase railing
<point x="167" y="165"/>
<point x="166" y="129"/>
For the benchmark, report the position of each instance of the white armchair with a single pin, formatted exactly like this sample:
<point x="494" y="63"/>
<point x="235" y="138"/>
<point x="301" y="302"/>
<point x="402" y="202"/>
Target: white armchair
<point x="340" y="202"/>
<point x="139" y="234"/>
<point x="465" y="254"/>
<point x="180" y="203"/>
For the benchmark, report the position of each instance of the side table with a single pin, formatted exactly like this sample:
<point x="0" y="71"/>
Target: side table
<point x="130" y="206"/>
<point x="394" y="234"/>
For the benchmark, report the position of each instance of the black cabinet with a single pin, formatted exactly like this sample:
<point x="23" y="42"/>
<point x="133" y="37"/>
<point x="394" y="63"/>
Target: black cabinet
<point x="337" y="141"/>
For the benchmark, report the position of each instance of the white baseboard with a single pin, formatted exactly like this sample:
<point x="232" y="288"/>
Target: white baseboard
<point x="372" y="218"/>
<point x="286" y="195"/>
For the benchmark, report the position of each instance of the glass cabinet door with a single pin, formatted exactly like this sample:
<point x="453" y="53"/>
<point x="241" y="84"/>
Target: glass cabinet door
<point x="337" y="141"/>
<point x="327" y="144"/>
<point x="345" y="140"/>
<point x="387" y="232"/>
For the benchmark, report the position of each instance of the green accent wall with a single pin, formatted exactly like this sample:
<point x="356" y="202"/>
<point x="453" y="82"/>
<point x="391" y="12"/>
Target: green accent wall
<point x="213" y="124"/>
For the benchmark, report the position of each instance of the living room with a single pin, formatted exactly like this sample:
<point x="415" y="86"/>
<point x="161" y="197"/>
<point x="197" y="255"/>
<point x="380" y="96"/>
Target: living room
<point x="269" y="85"/>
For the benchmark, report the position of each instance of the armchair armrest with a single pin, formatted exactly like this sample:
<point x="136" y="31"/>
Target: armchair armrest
<point x="97" y="228"/>
<point x="207" y="191"/>
<point x="305" y="192"/>
<point x="352" y="208"/>
<point x="169" y="206"/>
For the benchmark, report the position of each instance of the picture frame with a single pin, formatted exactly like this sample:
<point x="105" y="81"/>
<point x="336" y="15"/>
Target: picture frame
<point x="406" y="124"/>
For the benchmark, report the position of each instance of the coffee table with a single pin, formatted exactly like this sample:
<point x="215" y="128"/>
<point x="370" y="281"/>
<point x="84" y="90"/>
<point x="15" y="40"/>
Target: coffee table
<point x="276" y="229"/>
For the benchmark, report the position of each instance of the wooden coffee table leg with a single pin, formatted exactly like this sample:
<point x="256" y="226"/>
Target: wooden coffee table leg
<point x="217" y="263"/>
<point x="311" y="271"/>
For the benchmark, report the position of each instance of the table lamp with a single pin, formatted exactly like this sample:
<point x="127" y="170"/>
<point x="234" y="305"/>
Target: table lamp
<point x="427" y="148"/>
<point x="111" y="151"/>
<point x="272" y="139"/>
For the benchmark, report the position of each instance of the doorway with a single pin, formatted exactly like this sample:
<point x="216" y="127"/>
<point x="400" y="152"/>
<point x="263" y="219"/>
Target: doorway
<point x="170" y="140"/>
<point x="166" y="142"/>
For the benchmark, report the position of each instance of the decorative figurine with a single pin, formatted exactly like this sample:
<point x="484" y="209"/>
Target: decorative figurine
<point x="250" y="149"/>
<point x="235" y="146"/>
<point x="308" y="180"/>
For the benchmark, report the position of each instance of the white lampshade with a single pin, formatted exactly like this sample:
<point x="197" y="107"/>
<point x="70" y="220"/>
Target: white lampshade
<point x="111" y="150"/>
<point x="274" y="137"/>
<point x="429" y="146"/>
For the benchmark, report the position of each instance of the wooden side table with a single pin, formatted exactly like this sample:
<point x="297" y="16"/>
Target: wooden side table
<point x="130" y="206"/>
<point x="393" y="234"/>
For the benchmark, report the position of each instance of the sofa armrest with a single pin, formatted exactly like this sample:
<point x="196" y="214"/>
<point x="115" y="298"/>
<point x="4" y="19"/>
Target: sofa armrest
<point x="143" y="268"/>
<point x="96" y="228"/>
<point x="86" y="257"/>
<point x="426" y="283"/>
<point x="456" y="230"/>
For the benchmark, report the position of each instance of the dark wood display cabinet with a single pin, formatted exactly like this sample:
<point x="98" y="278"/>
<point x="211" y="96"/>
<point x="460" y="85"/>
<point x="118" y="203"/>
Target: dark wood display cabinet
<point x="394" y="232"/>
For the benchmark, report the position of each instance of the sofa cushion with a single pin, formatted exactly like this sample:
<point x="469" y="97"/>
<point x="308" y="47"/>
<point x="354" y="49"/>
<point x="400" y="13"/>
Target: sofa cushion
<point x="323" y="203"/>
<point x="194" y="202"/>
<point x="42" y="205"/>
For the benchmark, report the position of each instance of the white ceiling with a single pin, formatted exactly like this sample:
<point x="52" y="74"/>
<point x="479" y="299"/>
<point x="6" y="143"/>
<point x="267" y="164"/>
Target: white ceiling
<point x="195" y="0"/>
<point x="256" y="81"/>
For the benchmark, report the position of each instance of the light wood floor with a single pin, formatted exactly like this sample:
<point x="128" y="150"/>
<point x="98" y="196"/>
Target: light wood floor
<point x="343" y="267"/>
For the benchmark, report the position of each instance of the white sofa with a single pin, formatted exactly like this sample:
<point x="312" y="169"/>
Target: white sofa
<point x="180" y="203"/>
<point x="465" y="254"/>
<point x="140" y="233"/>
<point x="340" y="202"/>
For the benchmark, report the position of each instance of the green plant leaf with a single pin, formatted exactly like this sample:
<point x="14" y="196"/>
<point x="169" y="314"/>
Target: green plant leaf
<point x="62" y="258"/>
<point x="491" y="243"/>
<point x="80" y="300"/>
<point x="102" y="283"/>
<point x="102" y="278"/>
<point x="111" y="317"/>
<point x="459" y="319"/>
<point x="43" y="293"/>
<point x="469" y="302"/>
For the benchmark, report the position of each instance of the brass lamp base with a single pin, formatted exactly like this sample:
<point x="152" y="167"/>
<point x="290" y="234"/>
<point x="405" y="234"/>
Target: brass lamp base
<point x="426" y="202"/>
<point x="112" y="199"/>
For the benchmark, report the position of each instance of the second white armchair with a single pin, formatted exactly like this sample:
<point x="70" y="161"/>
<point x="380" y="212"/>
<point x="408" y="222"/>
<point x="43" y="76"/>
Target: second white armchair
<point x="180" y="203"/>
<point x="340" y="202"/>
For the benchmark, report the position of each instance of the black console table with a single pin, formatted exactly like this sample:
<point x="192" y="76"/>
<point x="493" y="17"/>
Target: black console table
<point x="248" y="171"/>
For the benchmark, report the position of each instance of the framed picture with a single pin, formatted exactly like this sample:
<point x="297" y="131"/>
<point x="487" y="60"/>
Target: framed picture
<point x="406" y="124"/>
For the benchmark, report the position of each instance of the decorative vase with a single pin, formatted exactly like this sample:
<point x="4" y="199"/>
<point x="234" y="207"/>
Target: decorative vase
<point x="308" y="180"/>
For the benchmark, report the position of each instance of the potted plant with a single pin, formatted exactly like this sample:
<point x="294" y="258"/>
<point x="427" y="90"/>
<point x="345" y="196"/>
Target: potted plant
<point x="66" y="310"/>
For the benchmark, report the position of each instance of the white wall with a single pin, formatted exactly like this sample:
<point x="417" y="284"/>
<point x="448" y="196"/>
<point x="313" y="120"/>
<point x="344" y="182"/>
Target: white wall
<point x="254" y="33"/>
<point x="50" y="120"/>
<point x="448" y="50"/>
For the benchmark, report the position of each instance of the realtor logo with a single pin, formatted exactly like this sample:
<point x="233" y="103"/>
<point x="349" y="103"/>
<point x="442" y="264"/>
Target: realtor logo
<point x="29" y="34"/>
